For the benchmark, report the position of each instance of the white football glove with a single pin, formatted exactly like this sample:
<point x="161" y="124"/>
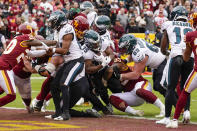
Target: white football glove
<point x="106" y="61"/>
<point x="99" y="58"/>
<point x="45" y="46"/>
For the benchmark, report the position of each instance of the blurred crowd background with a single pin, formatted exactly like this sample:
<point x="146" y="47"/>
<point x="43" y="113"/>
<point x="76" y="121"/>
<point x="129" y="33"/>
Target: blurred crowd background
<point x="127" y="16"/>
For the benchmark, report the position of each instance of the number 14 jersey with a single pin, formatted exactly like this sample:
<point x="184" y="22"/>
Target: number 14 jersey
<point x="14" y="52"/>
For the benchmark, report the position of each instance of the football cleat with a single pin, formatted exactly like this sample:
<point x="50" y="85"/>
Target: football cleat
<point x="172" y="124"/>
<point x="37" y="105"/>
<point x="63" y="117"/>
<point x="51" y="116"/>
<point x="163" y="121"/>
<point x="45" y="104"/>
<point x="93" y="113"/>
<point x="186" y="117"/>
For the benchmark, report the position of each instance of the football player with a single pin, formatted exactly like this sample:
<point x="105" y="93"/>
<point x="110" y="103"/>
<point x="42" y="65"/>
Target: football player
<point x="135" y="92"/>
<point x="143" y="54"/>
<point x="190" y="84"/>
<point x="72" y="72"/>
<point x="14" y="53"/>
<point x="174" y="32"/>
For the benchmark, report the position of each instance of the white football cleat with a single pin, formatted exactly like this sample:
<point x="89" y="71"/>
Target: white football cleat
<point x="45" y="104"/>
<point x="162" y="113"/>
<point x="172" y="124"/>
<point x="186" y="117"/>
<point x="163" y="121"/>
<point x="80" y="101"/>
<point x="139" y="113"/>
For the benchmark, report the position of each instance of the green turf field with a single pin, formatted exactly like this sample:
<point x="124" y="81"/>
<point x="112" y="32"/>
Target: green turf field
<point x="149" y="110"/>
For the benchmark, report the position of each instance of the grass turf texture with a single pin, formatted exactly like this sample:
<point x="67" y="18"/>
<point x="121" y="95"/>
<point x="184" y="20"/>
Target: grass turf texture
<point x="149" y="110"/>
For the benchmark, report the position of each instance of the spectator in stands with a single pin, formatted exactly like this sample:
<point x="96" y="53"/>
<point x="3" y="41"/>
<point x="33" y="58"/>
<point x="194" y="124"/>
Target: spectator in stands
<point x="2" y="43"/>
<point x="141" y="22"/>
<point x="158" y="36"/>
<point x="150" y="3"/>
<point x="75" y="7"/>
<point x="25" y="13"/>
<point x="160" y="19"/>
<point x="12" y="25"/>
<point x="150" y="25"/>
<point x="32" y="23"/>
<point x="132" y="26"/>
<point x="46" y="5"/>
<point x="118" y="29"/>
<point x="130" y="12"/>
<point x="123" y="18"/>
<point x="147" y="37"/>
<point x="114" y="4"/>
<point x="161" y="9"/>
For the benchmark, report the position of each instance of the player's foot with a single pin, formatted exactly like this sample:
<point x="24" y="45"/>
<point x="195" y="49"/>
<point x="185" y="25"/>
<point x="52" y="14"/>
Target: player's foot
<point x="45" y="104"/>
<point x="52" y="116"/>
<point x="29" y="109"/>
<point x="63" y="117"/>
<point x="162" y="113"/>
<point x="93" y="113"/>
<point x="163" y="121"/>
<point x="172" y="124"/>
<point x="186" y="117"/>
<point x="139" y="113"/>
<point x="37" y="104"/>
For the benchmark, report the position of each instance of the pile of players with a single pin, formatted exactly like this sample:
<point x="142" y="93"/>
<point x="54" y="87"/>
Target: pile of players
<point x="84" y="63"/>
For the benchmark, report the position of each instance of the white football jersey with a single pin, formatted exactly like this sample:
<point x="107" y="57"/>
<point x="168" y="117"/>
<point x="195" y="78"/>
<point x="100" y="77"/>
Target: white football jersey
<point x="106" y="38"/>
<point x="142" y="49"/>
<point x="176" y="31"/>
<point x="74" y="50"/>
<point x="91" y="17"/>
<point x="89" y="54"/>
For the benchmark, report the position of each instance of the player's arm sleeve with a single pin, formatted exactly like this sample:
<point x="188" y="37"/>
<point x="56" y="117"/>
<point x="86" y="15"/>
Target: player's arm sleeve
<point x="138" y="55"/>
<point x="36" y="53"/>
<point x="165" y="25"/>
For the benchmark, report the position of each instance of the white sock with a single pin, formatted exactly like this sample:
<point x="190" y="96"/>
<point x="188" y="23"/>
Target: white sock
<point x="159" y="104"/>
<point x="130" y="110"/>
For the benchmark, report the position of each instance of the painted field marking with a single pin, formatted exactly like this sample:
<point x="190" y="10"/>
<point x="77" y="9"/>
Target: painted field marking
<point x="17" y="125"/>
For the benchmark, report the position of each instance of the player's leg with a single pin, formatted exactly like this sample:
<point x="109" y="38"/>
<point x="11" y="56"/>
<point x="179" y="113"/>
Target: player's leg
<point x="71" y="70"/>
<point x="190" y="85"/>
<point x="185" y="72"/>
<point x="8" y="85"/>
<point x="37" y="103"/>
<point x="124" y="101"/>
<point x="145" y="92"/>
<point x="24" y="88"/>
<point x="173" y="77"/>
<point x="1" y="91"/>
<point x="46" y="102"/>
<point x="157" y="76"/>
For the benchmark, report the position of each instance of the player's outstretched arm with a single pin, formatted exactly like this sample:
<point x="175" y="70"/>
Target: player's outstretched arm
<point x="39" y="42"/>
<point x="164" y="43"/>
<point x="187" y="52"/>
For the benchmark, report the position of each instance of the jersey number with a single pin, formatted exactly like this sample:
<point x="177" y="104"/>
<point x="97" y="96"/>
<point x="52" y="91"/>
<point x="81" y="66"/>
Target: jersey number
<point x="10" y="48"/>
<point x="177" y="31"/>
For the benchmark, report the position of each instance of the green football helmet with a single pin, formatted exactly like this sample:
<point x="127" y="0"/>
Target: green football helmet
<point x="92" y="40"/>
<point x="127" y="44"/>
<point x="179" y="12"/>
<point x="102" y="22"/>
<point x="56" y="19"/>
<point x="86" y="5"/>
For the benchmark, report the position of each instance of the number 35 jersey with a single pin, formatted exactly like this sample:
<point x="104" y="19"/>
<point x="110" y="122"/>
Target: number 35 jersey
<point x="142" y="49"/>
<point x="14" y="52"/>
<point x="176" y="31"/>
